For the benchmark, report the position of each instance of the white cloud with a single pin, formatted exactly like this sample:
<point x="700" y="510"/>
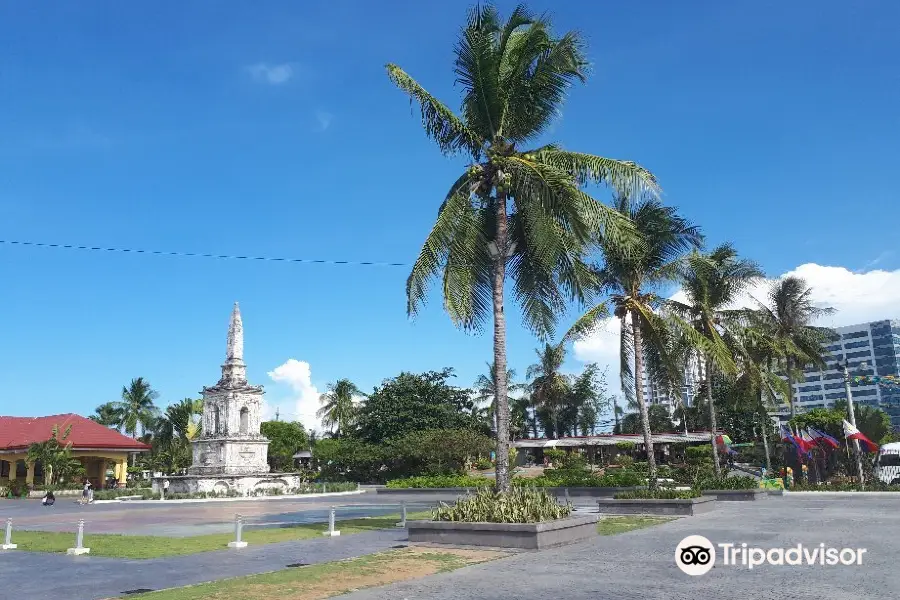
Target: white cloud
<point x="324" y="119"/>
<point x="302" y="401"/>
<point x="271" y="74"/>
<point x="856" y="298"/>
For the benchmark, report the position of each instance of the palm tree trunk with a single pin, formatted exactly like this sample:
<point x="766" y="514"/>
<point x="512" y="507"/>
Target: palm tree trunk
<point x="712" y="417"/>
<point x="790" y="382"/>
<point x="639" y="392"/>
<point x="500" y="383"/>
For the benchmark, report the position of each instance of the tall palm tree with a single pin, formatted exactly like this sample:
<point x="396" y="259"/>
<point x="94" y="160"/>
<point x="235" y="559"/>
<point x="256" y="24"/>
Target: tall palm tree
<point x="788" y="319"/>
<point x="629" y="274"/>
<point x="549" y="387"/>
<point x="713" y="282"/>
<point x="136" y="409"/>
<point x="338" y="412"/>
<point x="486" y="390"/>
<point x="108" y="415"/>
<point x="516" y="211"/>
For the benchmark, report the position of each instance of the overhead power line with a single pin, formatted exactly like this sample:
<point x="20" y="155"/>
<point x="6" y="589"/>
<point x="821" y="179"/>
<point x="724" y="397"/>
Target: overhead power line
<point x="318" y="261"/>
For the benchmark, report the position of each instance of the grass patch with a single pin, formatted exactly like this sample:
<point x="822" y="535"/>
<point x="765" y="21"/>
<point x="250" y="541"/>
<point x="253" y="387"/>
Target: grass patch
<point x="617" y="525"/>
<point x="151" y="546"/>
<point x="330" y="579"/>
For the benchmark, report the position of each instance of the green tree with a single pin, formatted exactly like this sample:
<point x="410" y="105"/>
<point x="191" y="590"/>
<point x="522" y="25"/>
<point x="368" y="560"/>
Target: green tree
<point x="516" y="211"/>
<point x="588" y="399"/>
<point x="338" y="411"/>
<point x="787" y="321"/>
<point x="549" y="387"/>
<point x="55" y="455"/>
<point x="485" y="390"/>
<point x="136" y="408"/>
<point x="713" y="282"/>
<point x="630" y="274"/>
<point x="659" y="417"/>
<point x="436" y="451"/>
<point x="413" y="402"/>
<point x="108" y="415"/>
<point x="285" y="440"/>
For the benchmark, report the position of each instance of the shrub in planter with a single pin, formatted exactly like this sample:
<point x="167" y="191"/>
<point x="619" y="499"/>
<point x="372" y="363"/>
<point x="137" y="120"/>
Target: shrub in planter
<point x="728" y="483"/>
<point x="440" y="481"/>
<point x="660" y="494"/>
<point x="520" y="505"/>
<point x="483" y="464"/>
<point x="555" y="456"/>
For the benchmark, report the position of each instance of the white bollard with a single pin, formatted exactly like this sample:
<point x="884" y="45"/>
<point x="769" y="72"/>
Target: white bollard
<point x="324" y="488"/>
<point x="238" y="531"/>
<point x="8" y="545"/>
<point x="402" y="522"/>
<point x="567" y="496"/>
<point x="331" y="531"/>
<point x="79" y="542"/>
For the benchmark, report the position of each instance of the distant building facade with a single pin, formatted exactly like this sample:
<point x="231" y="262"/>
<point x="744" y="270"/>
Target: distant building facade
<point x="877" y="346"/>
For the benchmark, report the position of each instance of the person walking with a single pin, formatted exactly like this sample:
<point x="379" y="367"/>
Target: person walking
<point x="85" y="491"/>
<point x="49" y="498"/>
<point x="165" y="488"/>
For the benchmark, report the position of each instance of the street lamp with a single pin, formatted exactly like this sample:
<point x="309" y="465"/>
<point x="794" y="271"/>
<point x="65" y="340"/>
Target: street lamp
<point x="844" y="365"/>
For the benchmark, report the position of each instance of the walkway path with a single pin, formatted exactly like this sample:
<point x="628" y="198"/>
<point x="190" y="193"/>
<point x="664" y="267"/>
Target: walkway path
<point x="641" y="565"/>
<point x="39" y="576"/>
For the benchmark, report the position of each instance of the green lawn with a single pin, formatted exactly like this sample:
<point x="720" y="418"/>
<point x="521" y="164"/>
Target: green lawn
<point x="330" y="579"/>
<point x="616" y="525"/>
<point x="146" y="546"/>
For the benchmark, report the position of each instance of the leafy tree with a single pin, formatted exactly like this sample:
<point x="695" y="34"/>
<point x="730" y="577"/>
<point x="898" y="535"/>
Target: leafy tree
<point x="436" y="451"/>
<point x="660" y="421"/>
<point x="787" y="320"/>
<point x="338" y="410"/>
<point x="136" y="408"/>
<point x="108" y="415"/>
<point x="349" y="459"/>
<point x="416" y="402"/>
<point x="486" y="392"/>
<point x="630" y="274"/>
<point x="285" y="440"/>
<point x="515" y="211"/>
<point x="712" y="283"/>
<point x="549" y="387"/>
<point x="587" y="401"/>
<point x="55" y="455"/>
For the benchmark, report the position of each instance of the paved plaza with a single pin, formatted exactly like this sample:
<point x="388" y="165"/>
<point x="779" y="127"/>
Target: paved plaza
<point x="638" y="565"/>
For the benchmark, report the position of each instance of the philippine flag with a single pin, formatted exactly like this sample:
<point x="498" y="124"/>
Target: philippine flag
<point x="852" y="433"/>
<point x="823" y="437"/>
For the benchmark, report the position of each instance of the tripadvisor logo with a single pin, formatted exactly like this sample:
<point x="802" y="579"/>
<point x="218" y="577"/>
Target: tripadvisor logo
<point x="696" y="555"/>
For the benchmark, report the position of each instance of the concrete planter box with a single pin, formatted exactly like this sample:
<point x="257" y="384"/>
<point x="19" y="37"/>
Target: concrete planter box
<point x="737" y="495"/>
<point x="681" y="507"/>
<point x="524" y="536"/>
<point x="775" y="492"/>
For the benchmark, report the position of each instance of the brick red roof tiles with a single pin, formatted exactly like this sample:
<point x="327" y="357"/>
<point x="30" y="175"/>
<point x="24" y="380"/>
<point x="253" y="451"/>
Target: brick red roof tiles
<point x="18" y="433"/>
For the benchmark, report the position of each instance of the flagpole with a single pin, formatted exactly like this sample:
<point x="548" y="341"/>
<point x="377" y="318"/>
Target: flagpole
<point x="844" y="366"/>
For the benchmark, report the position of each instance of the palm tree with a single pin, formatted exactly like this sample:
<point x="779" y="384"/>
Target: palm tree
<point x="713" y="282"/>
<point x="515" y="211"/>
<point x="338" y="411"/>
<point x="549" y="388"/>
<point x="788" y="321"/>
<point x="108" y="415"/>
<point x="137" y="408"/>
<point x="629" y="274"/>
<point x="485" y="388"/>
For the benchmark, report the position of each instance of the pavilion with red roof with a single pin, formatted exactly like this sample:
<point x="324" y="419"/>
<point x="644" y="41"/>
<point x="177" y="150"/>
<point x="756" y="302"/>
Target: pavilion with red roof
<point x="96" y="446"/>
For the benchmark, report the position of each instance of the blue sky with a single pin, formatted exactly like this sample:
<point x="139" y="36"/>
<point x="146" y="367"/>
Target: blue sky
<point x="272" y="130"/>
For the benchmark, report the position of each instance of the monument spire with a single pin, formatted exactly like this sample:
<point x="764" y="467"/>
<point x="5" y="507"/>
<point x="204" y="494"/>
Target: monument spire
<point x="234" y="350"/>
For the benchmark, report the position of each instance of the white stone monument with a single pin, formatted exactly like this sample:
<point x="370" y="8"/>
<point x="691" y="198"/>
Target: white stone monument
<point x="230" y="442"/>
<point x="230" y="454"/>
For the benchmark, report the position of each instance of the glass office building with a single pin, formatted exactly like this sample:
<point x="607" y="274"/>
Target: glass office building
<point x="871" y="349"/>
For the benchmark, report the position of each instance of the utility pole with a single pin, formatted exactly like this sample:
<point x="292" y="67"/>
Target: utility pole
<point x="277" y="414"/>
<point x="844" y="366"/>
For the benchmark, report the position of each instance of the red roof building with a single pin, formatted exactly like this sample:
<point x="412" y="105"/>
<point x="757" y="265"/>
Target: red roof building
<point x="98" y="447"/>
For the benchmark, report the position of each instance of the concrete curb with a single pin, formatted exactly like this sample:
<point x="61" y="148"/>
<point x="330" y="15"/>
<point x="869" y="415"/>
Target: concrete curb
<point x="806" y="494"/>
<point x="522" y="536"/>
<point x="238" y="499"/>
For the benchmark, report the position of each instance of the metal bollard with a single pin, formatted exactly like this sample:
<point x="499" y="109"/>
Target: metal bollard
<point x="238" y="531"/>
<point x="79" y="542"/>
<point x="402" y="522"/>
<point x="567" y="496"/>
<point x="331" y="530"/>
<point x="8" y="545"/>
<point x="324" y="488"/>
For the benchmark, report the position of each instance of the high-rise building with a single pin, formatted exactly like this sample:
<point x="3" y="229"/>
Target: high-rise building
<point x="690" y="386"/>
<point x="870" y="349"/>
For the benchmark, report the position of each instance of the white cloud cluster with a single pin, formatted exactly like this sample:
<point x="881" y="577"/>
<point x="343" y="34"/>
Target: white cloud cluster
<point x="302" y="401"/>
<point x="856" y="298"/>
<point x="271" y="74"/>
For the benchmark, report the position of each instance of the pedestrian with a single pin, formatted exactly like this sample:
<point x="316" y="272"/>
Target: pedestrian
<point x="49" y="498"/>
<point x="165" y="488"/>
<point x="90" y="493"/>
<point x="85" y="491"/>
